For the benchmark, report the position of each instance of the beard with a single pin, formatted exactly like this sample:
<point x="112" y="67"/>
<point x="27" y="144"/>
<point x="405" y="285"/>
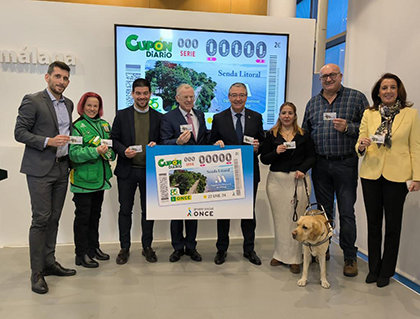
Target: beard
<point x="141" y="104"/>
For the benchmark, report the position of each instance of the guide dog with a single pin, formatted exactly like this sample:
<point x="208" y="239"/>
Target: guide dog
<point x="313" y="231"/>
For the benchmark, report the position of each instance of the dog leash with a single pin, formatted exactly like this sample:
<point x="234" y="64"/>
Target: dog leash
<point x="295" y="199"/>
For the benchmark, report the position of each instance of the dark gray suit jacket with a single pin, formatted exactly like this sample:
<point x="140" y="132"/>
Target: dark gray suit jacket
<point x="170" y="128"/>
<point x="37" y="120"/>
<point x="223" y="129"/>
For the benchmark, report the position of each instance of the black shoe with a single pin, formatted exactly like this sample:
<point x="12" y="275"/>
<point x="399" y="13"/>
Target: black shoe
<point x="220" y="257"/>
<point x="176" y="255"/>
<point x="38" y="283"/>
<point x="194" y="254"/>
<point x="98" y="254"/>
<point x="86" y="261"/>
<point x="371" y="278"/>
<point x="382" y="282"/>
<point x="252" y="257"/>
<point x="150" y="255"/>
<point x="58" y="270"/>
<point x="123" y="255"/>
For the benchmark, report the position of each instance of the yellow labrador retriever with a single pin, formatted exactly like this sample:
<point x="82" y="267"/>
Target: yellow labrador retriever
<point x="314" y="232"/>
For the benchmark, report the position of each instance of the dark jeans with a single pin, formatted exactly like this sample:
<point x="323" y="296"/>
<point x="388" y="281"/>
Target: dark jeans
<point x="248" y="230"/>
<point x="177" y="234"/>
<point x="339" y="177"/>
<point x="383" y="196"/>
<point x="47" y="199"/>
<point x="86" y="221"/>
<point x="126" y="190"/>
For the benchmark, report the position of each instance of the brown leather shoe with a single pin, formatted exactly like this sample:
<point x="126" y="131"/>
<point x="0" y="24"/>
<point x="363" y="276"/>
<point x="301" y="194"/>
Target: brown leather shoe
<point x="274" y="262"/>
<point x="350" y="268"/>
<point x="295" y="268"/>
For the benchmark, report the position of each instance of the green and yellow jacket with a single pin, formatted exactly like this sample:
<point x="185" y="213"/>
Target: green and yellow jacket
<point x="90" y="171"/>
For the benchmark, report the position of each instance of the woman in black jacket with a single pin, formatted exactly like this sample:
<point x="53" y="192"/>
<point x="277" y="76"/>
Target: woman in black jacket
<point x="290" y="153"/>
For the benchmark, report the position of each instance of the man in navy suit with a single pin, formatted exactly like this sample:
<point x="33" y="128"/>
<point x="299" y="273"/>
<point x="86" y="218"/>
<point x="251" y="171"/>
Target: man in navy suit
<point x="43" y="125"/>
<point x="134" y="126"/>
<point x="229" y="128"/>
<point x="171" y="134"/>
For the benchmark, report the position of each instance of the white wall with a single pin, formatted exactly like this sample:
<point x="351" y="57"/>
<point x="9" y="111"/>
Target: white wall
<point x="383" y="36"/>
<point x="87" y="31"/>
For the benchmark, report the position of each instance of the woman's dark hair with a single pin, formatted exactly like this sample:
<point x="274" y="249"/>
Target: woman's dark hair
<point x="402" y="94"/>
<point x="277" y="127"/>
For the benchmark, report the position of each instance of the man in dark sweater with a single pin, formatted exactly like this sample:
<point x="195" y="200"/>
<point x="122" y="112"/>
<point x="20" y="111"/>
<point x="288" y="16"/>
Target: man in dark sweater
<point x="138" y="125"/>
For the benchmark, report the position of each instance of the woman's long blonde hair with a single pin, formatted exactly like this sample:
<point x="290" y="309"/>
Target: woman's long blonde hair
<point x="277" y="127"/>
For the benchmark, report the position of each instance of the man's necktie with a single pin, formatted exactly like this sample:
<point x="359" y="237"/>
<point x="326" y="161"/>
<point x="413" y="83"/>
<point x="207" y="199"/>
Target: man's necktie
<point x="239" y="133"/>
<point x="190" y="121"/>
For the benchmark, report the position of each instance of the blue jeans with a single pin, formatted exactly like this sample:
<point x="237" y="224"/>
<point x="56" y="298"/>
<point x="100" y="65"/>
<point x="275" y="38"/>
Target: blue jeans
<point x="339" y="177"/>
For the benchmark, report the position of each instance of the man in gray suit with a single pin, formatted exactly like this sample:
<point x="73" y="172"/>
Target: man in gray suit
<point x="43" y="125"/>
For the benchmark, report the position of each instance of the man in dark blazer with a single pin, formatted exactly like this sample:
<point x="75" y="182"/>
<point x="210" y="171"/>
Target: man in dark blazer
<point x="171" y="134"/>
<point x="138" y="125"/>
<point x="43" y="125"/>
<point x="229" y="128"/>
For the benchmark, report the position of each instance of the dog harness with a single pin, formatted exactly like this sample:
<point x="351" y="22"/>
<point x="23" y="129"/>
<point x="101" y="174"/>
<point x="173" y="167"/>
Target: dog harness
<point x="310" y="212"/>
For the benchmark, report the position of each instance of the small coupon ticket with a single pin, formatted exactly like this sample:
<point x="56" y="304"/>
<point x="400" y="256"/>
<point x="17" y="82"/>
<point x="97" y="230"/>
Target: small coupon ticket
<point x="408" y="183"/>
<point x="290" y="145"/>
<point x="378" y="139"/>
<point x="137" y="148"/>
<point x="106" y="142"/>
<point x="76" y="140"/>
<point x="248" y="139"/>
<point x="185" y="127"/>
<point x="329" y="116"/>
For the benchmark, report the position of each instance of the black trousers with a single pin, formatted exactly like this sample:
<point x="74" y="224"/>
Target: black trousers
<point x="248" y="230"/>
<point x="86" y="221"/>
<point x="126" y="191"/>
<point x="47" y="199"/>
<point x="383" y="196"/>
<point x="179" y="241"/>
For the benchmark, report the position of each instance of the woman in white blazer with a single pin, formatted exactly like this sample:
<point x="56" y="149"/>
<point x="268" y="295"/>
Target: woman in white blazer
<point x="389" y="141"/>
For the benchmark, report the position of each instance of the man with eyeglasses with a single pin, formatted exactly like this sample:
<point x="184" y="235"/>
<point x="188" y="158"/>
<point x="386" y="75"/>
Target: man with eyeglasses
<point x="333" y="119"/>
<point x="231" y="127"/>
<point x="184" y="126"/>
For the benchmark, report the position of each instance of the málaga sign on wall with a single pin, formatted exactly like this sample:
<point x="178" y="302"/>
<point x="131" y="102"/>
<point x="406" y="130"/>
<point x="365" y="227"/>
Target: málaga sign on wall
<point x="33" y="56"/>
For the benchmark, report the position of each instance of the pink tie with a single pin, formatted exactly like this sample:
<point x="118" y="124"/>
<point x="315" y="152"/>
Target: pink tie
<point x="189" y="121"/>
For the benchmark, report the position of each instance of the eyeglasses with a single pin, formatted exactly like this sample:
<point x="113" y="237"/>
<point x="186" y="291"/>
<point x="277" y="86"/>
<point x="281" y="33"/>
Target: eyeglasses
<point x="332" y="76"/>
<point x="187" y="97"/>
<point x="235" y="95"/>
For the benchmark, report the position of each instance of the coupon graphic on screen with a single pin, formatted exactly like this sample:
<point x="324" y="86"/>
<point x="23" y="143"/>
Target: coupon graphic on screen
<point x="209" y="61"/>
<point x="200" y="177"/>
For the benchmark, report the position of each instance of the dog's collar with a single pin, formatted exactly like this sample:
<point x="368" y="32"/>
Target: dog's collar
<point x="318" y="243"/>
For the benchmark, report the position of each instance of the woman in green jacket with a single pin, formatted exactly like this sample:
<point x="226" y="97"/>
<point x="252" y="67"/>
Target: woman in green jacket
<point x="89" y="177"/>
